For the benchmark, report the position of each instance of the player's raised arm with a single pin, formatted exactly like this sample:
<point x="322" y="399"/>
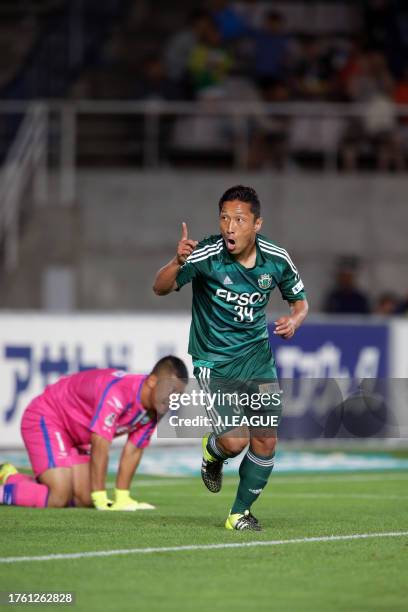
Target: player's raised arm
<point x="165" y="281"/>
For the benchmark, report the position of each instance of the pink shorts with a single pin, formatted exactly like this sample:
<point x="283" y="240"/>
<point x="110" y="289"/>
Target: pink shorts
<point x="48" y="443"/>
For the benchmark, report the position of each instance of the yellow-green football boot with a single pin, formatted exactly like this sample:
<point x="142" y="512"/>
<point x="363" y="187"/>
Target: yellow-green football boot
<point x="211" y="469"/>
<point x="243" y="521"/>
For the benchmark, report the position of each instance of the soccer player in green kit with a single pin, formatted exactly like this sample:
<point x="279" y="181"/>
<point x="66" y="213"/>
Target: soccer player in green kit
<point x="233" y="274"/>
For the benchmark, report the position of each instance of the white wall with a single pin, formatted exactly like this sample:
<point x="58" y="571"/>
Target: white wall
<point x="130" y="224"/>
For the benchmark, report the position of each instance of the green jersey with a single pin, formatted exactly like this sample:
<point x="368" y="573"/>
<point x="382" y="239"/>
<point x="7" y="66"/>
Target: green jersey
<point x="229" y="300"/>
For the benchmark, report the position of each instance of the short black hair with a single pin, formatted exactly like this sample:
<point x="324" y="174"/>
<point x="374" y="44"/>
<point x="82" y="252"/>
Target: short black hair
<point x="243" y="194"/>
<point x="173" y="365"/>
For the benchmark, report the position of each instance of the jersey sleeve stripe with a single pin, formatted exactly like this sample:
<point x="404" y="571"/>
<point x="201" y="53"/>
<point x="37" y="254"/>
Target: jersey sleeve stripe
<point x="101" y="401"/>
<point x="139" y="390"/>
<point x="51" y="461"/>
<point x="139" y="415"/>
<point x="206" y="255"/>
<point x="276" y="248"/>
<point x="273" y="252"/>
<point x="207" y="249"/>
<point x="146" y="433"/>
<point x="270" y="245"/>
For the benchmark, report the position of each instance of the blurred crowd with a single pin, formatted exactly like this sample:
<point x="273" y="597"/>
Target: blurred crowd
<point x="262" y="52"/>
<point x="346" y="297"/>
<point x="243" y="51"/>
<point x="250" y="39"/>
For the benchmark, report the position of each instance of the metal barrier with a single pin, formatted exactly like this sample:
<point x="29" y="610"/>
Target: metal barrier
<point x="145" y="133"/>
<point x="26" y="160"/>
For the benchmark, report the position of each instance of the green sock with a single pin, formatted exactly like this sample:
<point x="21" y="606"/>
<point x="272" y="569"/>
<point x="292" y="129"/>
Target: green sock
<point x="254" y="473"/>
<point x="214" y="450"/>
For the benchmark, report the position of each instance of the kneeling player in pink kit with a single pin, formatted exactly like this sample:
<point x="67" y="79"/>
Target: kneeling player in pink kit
<point x="83" y="412"/>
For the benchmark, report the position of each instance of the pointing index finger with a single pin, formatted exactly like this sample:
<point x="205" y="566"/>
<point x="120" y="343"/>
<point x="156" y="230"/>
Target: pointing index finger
<point x="184" y="231"/>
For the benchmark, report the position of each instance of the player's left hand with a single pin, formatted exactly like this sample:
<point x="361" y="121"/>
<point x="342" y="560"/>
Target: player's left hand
<point x="123" y="502"/>
<point x="285" y="327"/>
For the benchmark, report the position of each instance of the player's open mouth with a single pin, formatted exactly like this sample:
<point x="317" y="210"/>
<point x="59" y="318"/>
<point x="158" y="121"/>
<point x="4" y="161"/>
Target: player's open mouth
<point x="230" y="242"/>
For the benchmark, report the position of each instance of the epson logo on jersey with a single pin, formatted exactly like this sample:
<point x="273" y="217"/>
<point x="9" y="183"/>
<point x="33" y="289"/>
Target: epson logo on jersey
<point x="298" y="287"/>
<point x="243" y="299"/>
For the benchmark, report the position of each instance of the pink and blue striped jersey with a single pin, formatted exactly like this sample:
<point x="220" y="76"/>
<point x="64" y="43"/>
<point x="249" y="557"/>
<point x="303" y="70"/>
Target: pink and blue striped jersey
<point x="104" y="401"/>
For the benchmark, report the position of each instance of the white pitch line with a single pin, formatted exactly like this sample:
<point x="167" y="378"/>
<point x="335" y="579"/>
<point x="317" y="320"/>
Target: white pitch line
<point x="336" y="495"/>
<point x="333" y="478"/>
<point x="230" y="480"/>
<point x="164" y="482"/>
<point x="226" y="545"/>
<point x="273" y="494"/>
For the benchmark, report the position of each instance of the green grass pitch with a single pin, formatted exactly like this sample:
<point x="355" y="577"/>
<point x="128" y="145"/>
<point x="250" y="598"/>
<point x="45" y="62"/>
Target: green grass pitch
<point x="352" y="575"/>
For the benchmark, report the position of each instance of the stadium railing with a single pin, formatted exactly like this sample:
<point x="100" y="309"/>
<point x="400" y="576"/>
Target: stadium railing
<point x="155" y="134"/>
<point x="23" y="177"/>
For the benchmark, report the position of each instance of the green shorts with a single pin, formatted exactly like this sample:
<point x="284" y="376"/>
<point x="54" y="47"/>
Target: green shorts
<point x="243" y="392"/>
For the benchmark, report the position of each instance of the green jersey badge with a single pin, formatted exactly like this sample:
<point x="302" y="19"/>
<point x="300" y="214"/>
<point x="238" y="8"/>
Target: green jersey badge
<point x="265" y="281"/>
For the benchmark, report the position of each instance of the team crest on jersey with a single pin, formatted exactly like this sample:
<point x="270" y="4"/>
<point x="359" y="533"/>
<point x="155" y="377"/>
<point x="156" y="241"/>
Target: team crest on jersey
<point x="265" y="281"/>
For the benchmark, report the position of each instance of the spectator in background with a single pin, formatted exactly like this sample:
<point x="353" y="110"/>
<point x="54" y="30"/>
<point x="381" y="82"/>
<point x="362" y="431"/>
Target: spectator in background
<point x="209" y="62"/>
<point x="206" y="132"/>
<point x="181" y="44"/>
<point x="380" y="125"/>
<point x="372" y="86"/>
<point x="370" y="77"/>
<point x="269" y="138"/>
<point x="402" y="27"/>
<point x="401" y="89"/>
<point x="271" y="49"/>
<point x="153" y="83"/>
<point x="401" y="97"/>
<point x="347" y="66"/>
<point x="231" y="25"/>
<point x="387" y="304"/>
<point x="382" y="27"/>
<point x="313" y="74"/>
<point x="402" y="308"/>
<point x="378" y="22"/>
<point x="345" y="297"/>
<point x="252" y="12"/>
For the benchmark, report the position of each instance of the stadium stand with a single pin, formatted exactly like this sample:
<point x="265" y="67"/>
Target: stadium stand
<point x="296" y="52"/>
<point x="155" y="87"/>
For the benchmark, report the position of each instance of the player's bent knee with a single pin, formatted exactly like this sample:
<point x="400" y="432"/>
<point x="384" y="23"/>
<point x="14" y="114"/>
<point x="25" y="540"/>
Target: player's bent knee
<point x="264" y="446"/>
<point x="58" y="499"/>
<point x="83" y="501"/>
<point x="59" y="483"/>
<point x="233" y="446"/>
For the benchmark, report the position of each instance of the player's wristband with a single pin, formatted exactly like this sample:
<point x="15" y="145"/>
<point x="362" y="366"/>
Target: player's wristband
<point x="100" y="500"/>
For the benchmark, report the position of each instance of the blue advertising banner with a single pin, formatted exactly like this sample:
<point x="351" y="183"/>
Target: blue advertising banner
<point x="319" y="368"/>
<point x="37" y="349"/>
<point x="333" y="350"/>
<point x="327" y="372"/>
